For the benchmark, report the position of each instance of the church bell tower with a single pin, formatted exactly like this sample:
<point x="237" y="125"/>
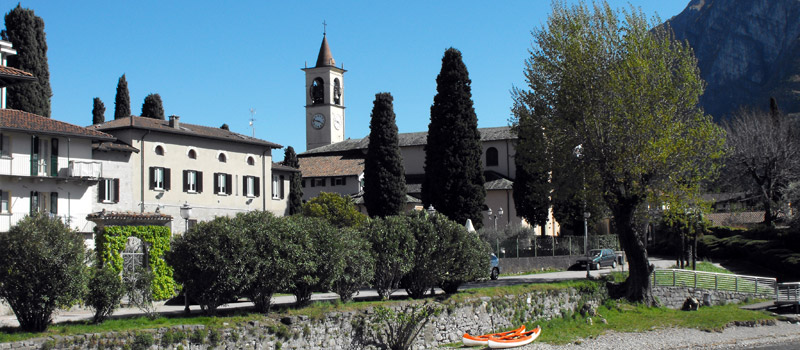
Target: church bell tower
<point x="324" y="100"/>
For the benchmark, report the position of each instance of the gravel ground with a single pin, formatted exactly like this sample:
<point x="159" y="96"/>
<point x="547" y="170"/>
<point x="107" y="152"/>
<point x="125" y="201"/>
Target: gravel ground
<point x="682" y="338"/>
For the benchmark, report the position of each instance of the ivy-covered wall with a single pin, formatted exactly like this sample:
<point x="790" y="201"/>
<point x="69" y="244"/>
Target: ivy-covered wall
<point x="111" y="242"/>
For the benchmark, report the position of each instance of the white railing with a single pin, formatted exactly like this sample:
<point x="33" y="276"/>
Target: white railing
<point x="85" y="169"/>
<point x="788" y="293"/>
<point x="8" y="220"/>
<point x="714" y="281"/>
<point x="6" y="166"/>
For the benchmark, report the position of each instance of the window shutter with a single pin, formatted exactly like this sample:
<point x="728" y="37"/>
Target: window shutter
<point x="186" y="181"/>
<point x="199" y="182"/>
<point x="216" y="183"/>
<point x="244" y="185"/>
<point x="257" y="184"/>
<point x="34" y="200"/>
<point x="34" y="156"/>
<point x="281" y="186"/>
<point x="312" y="181"/>
<point x="116" y="190"/>
<point x="152" y="177"/>
<point x="167" y="178"/>
<point x="101" y="190"/>
<point x="344" y="180"/>
<point x="228" y="183"/>
<point x="54" y="157"/>
<point x="5" y="143"/>
<point x="54" y="202"/>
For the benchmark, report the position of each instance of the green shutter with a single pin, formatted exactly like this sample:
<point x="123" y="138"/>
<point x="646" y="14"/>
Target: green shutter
<point x="54" y="157"/>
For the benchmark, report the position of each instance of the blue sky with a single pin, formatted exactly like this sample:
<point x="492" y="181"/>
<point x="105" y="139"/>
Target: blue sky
<point x="212" y="61"/>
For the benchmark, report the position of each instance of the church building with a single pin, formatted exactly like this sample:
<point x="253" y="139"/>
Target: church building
<point x="332" y="163"/>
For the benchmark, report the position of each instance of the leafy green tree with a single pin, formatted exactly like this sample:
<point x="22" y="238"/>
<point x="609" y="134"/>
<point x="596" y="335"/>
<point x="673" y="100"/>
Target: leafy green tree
<point x="357" y="264"/>
<point x="98" y="111"/>
<point x="208" y="262"/>
<point x="337" y="209"/>
<point x="105" y="292"/>
<point x="153" y="107"/>
<point x="122" y="101"/>
<point x="532" y="185"/>
<point x="317" y="259"/>
<point x="271" y="255"/>
<point x="295" y="186"/>
<point x="384" y="177"/>
<point x="25" y="31"/>
<point x="620" y="86"/>
<point x="454" y="179"/>
<point x="41" y="269"/>
<point x="393" y="252"/>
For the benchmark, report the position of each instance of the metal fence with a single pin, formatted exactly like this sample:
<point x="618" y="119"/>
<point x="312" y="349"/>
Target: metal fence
<point x="714" y="281"/>
<point x="521" y="245"/>
<point x="788" y="293"/>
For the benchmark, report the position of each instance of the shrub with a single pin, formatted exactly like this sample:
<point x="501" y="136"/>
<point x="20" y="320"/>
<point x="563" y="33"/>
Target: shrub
<point x="271" y="261"/>
<point x="397" y="330"/>
<point x="337" y="209"/>
<point x="466" y="255"/>
<point x="105" y="292"/>
<point x="137" y="287"/>
<point x="315" y="255"/>
<point x="357" y="265"/>
<point x="41" y="269"/>
<point x="428" y="259"/>
<point x="208" y="260"/>
<point x="393" y="252"/>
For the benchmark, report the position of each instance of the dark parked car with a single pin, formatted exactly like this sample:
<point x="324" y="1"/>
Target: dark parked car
<point x="494" y="266"/>
<point x="598" y="258"/>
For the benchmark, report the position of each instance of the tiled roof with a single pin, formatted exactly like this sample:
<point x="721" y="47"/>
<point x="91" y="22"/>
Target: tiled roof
<point x="184" y="129"/>
<point x="325" y="58"/>
<point x="127" y="215"/>
<point x="358" y="199"/>
<point x="118" y="146"/>
<point x="281" y="167"/>
<point x="407" y="140"/>
<point x="736" y="218"/>
<point x="12" y="119"/>
<point x="328" y="166"/>
<point x="11" y="76"/>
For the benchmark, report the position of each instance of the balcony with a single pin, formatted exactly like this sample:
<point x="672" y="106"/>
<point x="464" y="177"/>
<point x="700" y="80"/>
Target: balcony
<point x="85" y="169"/>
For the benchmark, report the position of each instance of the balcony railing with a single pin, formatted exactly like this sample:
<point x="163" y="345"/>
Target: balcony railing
<point x="85" y="169"/>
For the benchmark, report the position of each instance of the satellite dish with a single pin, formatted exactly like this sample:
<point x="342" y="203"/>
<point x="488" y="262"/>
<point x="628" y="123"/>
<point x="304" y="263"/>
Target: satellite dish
<point x="470" y="227"/>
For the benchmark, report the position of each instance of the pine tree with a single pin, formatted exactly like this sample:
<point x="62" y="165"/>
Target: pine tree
<point x="122" y="102"/>
<point x="453" y="169"/>
<point x="384" y="177"/>
<point x="25" y="31"/>
<point x="152" y="107"/>
<point x="98" y="111"/>
<point x="295" y="188"/>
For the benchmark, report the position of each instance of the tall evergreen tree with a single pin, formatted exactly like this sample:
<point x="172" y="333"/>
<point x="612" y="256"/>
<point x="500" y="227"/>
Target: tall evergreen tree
<point x="384" y="177"/>
<point x="98" y="111"/>
<point x="532" y="185"/>
<point x="122" y="102"/>
<point x="453" y="169"/>
<point x="26" y="32"/>
<point x="295" y="188"/>
<point x="152" y="107"/>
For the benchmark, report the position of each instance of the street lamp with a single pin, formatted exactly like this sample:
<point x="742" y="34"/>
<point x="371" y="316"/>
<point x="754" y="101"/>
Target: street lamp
<point x="494" y="219"/>
<point x="186" y="213"/>
<point x="431" y="210"/>
<point x="578" y="154"/>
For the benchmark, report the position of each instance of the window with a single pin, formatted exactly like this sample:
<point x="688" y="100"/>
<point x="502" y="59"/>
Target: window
<point x="318" y="182"/>
<point x="338" y="181"/>
<point x="252" y="186"/>
<point x="192" y="154"/>
<point x="159" y="150"/>
<point x="44" y="202"/>
<point x="222" y="158"/>
<point x="109" y="191"/>
<point x="251" y="161"/>
<point x="317" y="91"/>
<point x="5" y="202"/>
<point x="5" y="145"/>
<point x="159" y="178"/>
<point x="281" y="186"/>
<point x="275" y="187"/>
<point x="337" y="91"/>
<point x="491" y="156"/>
<point x="192" y="181"/>
<point x="54" y="203"/>
<point x="303" y="183"/>
<point x="222" y="183"/>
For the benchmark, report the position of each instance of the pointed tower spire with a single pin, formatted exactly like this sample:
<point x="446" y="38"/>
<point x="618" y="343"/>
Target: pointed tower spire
<point x="325" y="58"/>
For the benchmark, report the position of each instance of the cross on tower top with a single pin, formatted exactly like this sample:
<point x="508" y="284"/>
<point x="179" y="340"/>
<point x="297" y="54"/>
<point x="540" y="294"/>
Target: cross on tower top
<point x="324" y="28"/>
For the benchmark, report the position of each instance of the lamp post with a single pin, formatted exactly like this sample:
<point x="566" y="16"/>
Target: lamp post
<point x="431" y="210"/>
<point x="494" y="220"/>
<point x="578" y="154"/>
<point x="186" y="213"/>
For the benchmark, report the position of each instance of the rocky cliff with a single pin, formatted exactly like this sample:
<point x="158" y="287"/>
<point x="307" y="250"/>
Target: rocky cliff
<point x="747" y="51"/>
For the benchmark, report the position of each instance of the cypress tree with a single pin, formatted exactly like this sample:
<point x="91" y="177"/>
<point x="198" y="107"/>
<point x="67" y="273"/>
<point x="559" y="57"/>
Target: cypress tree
<point x="384" y="177"/>
<point x="295" y="188"/>
<point x="122" y="102"/>
<point x="453" y="169"/>
<point x="26" y="32"/>
<point x="152" y="107"/>
<point x="98" y="111"/>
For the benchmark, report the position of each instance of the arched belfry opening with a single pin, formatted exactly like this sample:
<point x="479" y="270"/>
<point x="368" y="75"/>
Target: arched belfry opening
<point x="317" y="91"/>
<point x="337" y="92"/>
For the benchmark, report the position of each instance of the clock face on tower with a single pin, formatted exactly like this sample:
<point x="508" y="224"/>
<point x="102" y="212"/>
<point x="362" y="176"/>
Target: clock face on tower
<point x="337" y="121"/>
<point x="318" y="121"/>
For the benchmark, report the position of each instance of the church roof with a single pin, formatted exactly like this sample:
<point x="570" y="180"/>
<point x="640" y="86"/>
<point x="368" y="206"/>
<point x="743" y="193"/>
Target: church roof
<point x="407" y="140"/>
<point x="134" y="122"/>
<point x="328" y="166"/>
<point x="325" y="58"/>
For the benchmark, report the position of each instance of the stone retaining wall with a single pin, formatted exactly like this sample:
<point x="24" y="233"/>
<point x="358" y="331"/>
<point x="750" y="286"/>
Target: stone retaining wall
<point x="673" y="297"/>
<point x="339" y="330"/>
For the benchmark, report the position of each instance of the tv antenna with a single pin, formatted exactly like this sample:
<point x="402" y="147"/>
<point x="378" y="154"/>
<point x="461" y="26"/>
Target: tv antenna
<point x="252" y="121"/>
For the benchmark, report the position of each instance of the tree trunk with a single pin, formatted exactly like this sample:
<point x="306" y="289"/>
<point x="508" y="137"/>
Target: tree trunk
<point x="638" y="282"/>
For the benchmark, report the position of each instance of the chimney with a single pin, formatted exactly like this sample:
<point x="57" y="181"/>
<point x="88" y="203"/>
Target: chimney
<point x="174" y="121"/>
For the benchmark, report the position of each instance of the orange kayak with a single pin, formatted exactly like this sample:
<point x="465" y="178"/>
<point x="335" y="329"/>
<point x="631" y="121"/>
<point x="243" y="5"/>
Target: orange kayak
<point x="471" y="340"/>
<point x="515" y="340"/>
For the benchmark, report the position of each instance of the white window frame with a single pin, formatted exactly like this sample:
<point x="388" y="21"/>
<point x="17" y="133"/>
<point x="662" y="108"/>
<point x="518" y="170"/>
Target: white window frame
<point x="108" y="194"/>
<point x="276" y="194"/>
<point x="250" y="186"/>
<point x="191" y="181"/>
<point x="5" y="145"/>
<point x="5" y="202"/>
<point x="223" y="186"/>
<point x="158" y="174"/>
